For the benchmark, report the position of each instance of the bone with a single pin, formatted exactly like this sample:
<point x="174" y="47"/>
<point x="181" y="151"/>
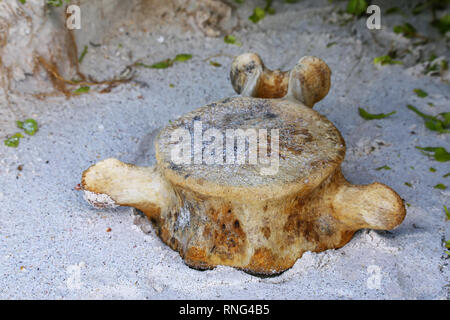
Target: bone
<point x="111" y="183"/>
<point x="374" y="206"/>
<point x="308" y="82"/>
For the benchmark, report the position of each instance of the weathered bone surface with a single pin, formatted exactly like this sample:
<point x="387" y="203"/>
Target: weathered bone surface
<point x="241" y="215"/>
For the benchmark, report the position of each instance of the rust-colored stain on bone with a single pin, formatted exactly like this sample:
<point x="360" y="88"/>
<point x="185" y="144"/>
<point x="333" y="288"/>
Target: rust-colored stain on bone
<point x="228" y="237"/>
<point x="272" y="84"/>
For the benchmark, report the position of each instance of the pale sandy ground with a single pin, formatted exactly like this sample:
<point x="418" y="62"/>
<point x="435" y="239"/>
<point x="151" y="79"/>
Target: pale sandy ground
<point x="54" y="245"/>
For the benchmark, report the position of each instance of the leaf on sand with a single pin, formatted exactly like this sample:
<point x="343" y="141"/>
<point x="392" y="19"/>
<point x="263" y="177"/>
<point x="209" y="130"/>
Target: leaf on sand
<point x="14" y="140"/>
<point x="369" y="116"/>
<point x="164" y="64"/>
<point x="159" y="65"/>
<point x="83" y="54"/>
<point x="439" y="123"/>
<point x="395" y="10"/>
<point x="357" y="7"/>
<point x="438" y="153"/>
<point x="215" y="64"/>
<point x="81" y="90"/>
<point x="268" y="8"/>
<point x="406" y="29"/>
<point x="383" y="60"/>
<point x="258" y="15"/>
<point x="230" y="39"/>
<point x="57" y="3"/>
<point x="420" y="93"/>
<point x="182" y="57"/>
<point x="30" y="126"/>
<point x="440" y="186"/>
<point x="442" y="24"/>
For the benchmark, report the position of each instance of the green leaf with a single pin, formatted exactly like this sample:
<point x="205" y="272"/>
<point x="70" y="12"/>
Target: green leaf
<point x="408" y="184"/>
<point x="215" y="64"/>
<point x="420" y="93"/>
<point x="159" y="65"/>
<point x="386" y="60"/>
<point x="56" y="3"/>
<point x="164" y="64"/>
<point x="239" y="1"/>
<point x="385" y="167"/>
<point x="182" y="57"/>
<point x="230" y="39"/>
<point x="14" y="140"/>
<point x="420" y="7"/>
<point x="440" y="186"/>
<point x="83" y="54"/>
<point x="357" y="7"/>
<point x="432" y="57"/>
<point x="406" y="29"/>
<point x="258" y="15"/>
<point x="81" y="90"/>
<point x="446" y="175"/>
<point x="432" y="169"/>
<point x="368" y="116"/>
<point x="442" y="24"/>
<point x="432" y="66"/>
<point x="330" y="44"/>
<point x="268" y="8"/>
<point x="23" y="1"/>
<point x="439" y="123"/>
<point x="395" y="10"/>
<point x="438" y="153"/>
<point x="30" y="126"/>
<point x="423" y="115"/>
<point x="447" y="213"/>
